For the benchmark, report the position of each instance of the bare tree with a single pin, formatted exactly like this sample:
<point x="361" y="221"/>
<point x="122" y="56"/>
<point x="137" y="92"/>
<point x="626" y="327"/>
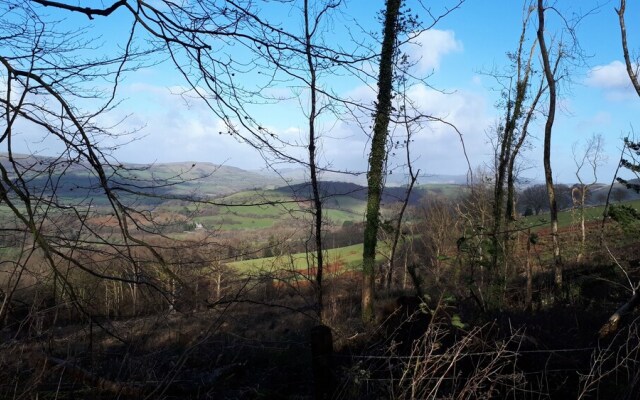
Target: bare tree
<point x="592" y="158"/>
<point x="438" y="226"/>
<point x="632" y="70"/>
<point x="410" y="123"/>
<point x="48" y="83"/>
<point x="548" y="129"/>
<point x="42" y="98"/>
<point x="474" y="211"/>
<point x="512" y="134"/>
<point x="313" y="112"/>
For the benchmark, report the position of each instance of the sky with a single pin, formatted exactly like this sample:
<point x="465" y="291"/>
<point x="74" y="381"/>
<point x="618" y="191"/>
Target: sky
<point x="458" y="56"/>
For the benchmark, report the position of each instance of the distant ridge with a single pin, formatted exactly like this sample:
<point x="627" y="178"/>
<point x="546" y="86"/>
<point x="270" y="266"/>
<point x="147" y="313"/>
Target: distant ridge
<point x="201" y="180"/>
<point x="333" y="189"/>
<point x="174" y="178"/>
<point x="299" y="174"/>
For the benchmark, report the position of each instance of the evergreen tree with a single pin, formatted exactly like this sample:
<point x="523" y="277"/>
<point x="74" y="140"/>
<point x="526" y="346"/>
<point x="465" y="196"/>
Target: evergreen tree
<point x="633" y="165"/>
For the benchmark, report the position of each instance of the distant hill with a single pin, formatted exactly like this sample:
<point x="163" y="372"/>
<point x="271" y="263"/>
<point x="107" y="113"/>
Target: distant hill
<point x="331" y="191"/>
<point x="619" y="192"/>
<point x="78" y="179"/>
<point x="360" y="178"/>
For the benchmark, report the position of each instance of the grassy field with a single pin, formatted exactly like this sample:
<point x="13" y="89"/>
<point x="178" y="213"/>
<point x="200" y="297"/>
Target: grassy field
<point x="338" y="209"/>
<point x="346" y="203"/>
<point x="348" y="257"/>
<point x="569" y="217"/>
<point x="444" y="189"/>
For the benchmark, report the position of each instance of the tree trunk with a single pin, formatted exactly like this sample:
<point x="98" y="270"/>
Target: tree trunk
<point x="377" y="157"/>
<point x="583" y="229"/>
<point x="317" y="201"/>
<point x="506" y="157"/>
<point x="398" y="230"/>
<point x="523" y="86"/>
<point x="548" y="128"/>
<point x="529" y="271"/>
<point x="218" y="286"/>
<point x="631" y="71"/>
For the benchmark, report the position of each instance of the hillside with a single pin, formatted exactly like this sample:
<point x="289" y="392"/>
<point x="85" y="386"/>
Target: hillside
<point x="78" y="180"/>
<point x="333" y="192"/>
<point x="360" y="178"/>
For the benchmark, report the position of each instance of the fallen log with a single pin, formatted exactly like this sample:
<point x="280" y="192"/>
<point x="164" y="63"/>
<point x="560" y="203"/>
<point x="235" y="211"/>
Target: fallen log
<point x="612" y="325"/>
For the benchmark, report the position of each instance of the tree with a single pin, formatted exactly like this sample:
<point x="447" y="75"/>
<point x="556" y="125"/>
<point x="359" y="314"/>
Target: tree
<point x="633" y="148"/>
<point x="551" y="78"/>
<point x="413" y="177"/>
<point x="395" y="22"/>
<point x="511" y="135"/>
<point x="313" y="113"/>
<point x="377" y="156"/>
<point x="592" y="158"/>
<point x="535" y="197"/>
<point x="475" y="211"/>
<point x="436" y="217"/>
<point x="564" y="197"/>
<point x="632" y="72"/>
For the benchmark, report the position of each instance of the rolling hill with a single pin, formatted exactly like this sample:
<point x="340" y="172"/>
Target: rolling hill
<point x="335" y="192"/>
<point x="74" y="180"/>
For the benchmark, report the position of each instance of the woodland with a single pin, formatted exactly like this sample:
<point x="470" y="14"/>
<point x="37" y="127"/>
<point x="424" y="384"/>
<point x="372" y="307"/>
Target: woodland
<point x="123" y="280"/>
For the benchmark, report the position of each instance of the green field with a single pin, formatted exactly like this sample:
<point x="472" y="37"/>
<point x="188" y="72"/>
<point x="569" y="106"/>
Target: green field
<point x="447" y="190"/>
<point x="569" y="217"/>
<point x="349" y="257"/>
<point x="346" y="203"/>
<point x="265" y="209"/>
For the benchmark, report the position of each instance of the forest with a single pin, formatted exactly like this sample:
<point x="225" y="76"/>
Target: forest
<point x="343" y="267"/>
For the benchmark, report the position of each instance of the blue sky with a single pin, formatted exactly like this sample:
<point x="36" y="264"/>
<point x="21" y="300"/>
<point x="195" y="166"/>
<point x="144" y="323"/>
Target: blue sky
<point x="457" y="54"/>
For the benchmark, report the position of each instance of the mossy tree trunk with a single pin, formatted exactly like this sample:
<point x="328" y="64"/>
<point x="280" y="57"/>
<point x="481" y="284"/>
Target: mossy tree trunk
<point x="511" y="136"/>
<point x="378" y="156"/>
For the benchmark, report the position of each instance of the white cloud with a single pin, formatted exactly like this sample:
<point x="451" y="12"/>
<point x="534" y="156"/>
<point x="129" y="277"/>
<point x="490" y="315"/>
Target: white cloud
<point x="171" y="127"/>
<point x="430" y="46"/>
<point x="610" y="76"/>
<point x="437" y="148"/>
<point x="613" y="80"/>
<point x="168" y="128"/>
<point x="439" y="144"/>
